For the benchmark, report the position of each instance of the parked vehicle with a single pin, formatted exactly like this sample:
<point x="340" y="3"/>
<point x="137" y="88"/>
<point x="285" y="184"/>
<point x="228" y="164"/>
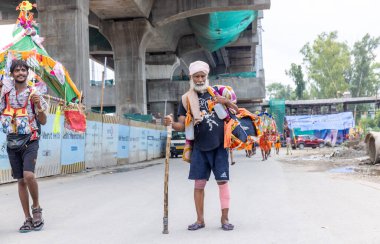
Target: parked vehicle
<point x="177" y="143"/>
<point x="307" y="141"/>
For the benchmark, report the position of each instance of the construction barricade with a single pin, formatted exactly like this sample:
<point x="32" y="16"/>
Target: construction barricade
<point x="108" y="141"/>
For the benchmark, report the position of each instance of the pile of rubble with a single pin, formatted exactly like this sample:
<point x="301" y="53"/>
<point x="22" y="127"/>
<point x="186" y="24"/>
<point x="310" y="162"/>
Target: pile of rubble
<point x="353" y="150"/>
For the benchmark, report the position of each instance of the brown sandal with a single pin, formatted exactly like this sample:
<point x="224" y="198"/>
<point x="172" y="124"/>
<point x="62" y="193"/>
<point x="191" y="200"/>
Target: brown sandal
<point x="38" y="221"/>
<point x="27" y="226"/>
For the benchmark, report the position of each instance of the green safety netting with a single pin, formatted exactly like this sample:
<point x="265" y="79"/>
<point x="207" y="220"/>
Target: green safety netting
<point x="232" y="75"/>
<point x="277" y="109"/>
<point x="139" y="117"/>
<point x="109" y="82"/>
<point x="216" y="77"/>
<point x="218" y="29"/>
<point x="106" y="109"/>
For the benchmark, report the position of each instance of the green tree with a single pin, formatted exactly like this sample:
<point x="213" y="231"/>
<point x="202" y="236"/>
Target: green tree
<point x="327" y="61"/>
<point x="279" y="91"/>
<point x="363" y="79"/>
<point x="363" y="76"/>
<point x="295" y="72"/>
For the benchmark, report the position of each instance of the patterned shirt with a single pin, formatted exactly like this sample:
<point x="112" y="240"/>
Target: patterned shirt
<point x="19" y="100"/>
<point x="209" y="133"/>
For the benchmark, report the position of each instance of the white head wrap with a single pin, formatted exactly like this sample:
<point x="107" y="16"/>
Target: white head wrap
<point x="198" y="66"/>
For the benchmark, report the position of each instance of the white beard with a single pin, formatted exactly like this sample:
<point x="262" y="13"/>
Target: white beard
<point x="201" y="88"/>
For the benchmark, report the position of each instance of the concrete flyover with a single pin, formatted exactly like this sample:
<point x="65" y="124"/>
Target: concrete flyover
<point x="172" y="91"/>
<point x="149" y="42"/>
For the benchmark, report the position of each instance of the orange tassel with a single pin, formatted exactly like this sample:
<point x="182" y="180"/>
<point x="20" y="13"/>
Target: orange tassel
<point x="188" y="118"/>
<point x="228" y="133"/>
<point x="210" y="105"/>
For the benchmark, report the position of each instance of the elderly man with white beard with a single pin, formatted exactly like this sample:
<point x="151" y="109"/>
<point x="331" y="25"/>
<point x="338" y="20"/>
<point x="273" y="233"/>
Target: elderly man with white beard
<point x="208" y="153"/>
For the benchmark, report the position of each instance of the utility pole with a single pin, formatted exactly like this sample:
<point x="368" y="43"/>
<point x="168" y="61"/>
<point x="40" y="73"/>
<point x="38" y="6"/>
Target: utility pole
<point x="104" y="75"/>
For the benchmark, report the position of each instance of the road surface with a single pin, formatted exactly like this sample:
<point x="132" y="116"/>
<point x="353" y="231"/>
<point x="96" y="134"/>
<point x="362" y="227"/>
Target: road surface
<point x="272" y="202"/>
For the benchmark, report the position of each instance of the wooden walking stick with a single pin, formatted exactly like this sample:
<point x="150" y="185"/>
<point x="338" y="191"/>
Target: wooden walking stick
<point x="166" y="180"/>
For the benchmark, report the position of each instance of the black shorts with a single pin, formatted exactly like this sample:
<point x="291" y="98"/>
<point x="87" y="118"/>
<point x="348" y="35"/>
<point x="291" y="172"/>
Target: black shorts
<point x="23" y="160"/>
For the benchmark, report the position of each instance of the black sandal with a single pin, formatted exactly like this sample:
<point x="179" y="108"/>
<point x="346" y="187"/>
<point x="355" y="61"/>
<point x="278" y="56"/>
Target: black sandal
<point x="27" y="226"/>
<point x="38" y="221"/>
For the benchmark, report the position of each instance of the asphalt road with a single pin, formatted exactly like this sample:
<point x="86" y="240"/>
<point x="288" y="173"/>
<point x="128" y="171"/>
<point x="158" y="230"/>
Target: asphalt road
<point x="272" y="202"/>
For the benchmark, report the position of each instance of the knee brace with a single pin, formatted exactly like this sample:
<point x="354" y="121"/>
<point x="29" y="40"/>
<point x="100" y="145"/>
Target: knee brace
<point x="200" y="184"/>
<point x="224" y="195"/>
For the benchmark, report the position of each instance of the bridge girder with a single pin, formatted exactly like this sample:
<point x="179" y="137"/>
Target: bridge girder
<point x="166" y="11"/>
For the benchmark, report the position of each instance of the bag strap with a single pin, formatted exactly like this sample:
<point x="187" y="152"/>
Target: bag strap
<point x="190" y="103"/>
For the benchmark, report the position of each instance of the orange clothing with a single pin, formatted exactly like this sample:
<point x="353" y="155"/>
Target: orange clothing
<point x="249" y="147"/>
<point x="277" y="145"/>
<point x="263" y="143"/>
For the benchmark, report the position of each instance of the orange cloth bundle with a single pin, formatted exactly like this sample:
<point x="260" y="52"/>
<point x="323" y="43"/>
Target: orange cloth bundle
<point x="75" y="120"/>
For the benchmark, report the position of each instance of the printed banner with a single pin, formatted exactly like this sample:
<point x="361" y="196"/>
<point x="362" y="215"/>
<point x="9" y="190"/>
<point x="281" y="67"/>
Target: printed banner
<point x="72" y="149"/>
<point x="49" y="152"/>
<point x="123" y="142"/>
<point x="143" y="146"/>
<point x="150" y="143"/>
<point x="134" y="140"/>
<point x="109" y="144"/>
<point x="93" y="150"/>
<point x="4" y="161"/>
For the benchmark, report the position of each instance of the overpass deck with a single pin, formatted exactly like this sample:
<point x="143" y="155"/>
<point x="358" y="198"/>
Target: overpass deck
<point x="315" y="106"/>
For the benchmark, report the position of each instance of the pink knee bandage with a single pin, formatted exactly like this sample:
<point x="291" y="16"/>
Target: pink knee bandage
<point x="224" y="195"/>
<point x="200" y="184"/>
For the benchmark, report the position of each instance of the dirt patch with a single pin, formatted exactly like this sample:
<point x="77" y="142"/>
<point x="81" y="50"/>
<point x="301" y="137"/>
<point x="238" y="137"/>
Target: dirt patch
<point x="355" y="151"/>
<point x="348" y="161"/>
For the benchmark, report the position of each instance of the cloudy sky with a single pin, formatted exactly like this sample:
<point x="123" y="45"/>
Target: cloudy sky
<point x="290" y="24"/>
<point x="5" y="37"/>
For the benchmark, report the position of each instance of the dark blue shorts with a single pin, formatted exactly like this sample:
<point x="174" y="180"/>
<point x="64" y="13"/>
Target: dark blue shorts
<point x="203" y="162"/>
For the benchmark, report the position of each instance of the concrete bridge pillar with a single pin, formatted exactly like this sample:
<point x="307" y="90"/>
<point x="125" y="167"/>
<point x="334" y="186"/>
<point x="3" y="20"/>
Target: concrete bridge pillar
<point x="129" y="39"/>
<point x="64" y="25"/>
<point x="160" y="69"/>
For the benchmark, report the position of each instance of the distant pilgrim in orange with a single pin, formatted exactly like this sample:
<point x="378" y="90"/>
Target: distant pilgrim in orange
<point x="264" y="146"/>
